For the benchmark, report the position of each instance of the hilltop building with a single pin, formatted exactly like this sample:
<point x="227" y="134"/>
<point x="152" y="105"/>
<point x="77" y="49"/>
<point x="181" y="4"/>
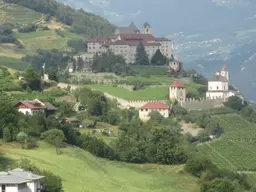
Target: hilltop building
<point x="125" y="40"/>
<point x="146" y="109"/>
<point x="18" y="180"/>
<point x="218" y="86"/>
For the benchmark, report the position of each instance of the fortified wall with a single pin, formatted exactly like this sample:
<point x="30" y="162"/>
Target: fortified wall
<point x="202" y="103"/>
<point x="139" y="103"/>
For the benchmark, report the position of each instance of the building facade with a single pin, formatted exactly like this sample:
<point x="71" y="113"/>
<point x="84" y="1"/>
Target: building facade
<point x="125" y="40"/>
<point x="145" y="110"/>
<point x="18" y="180"/>
<point x="33" y="107"/>
<point x="177" y="91"/>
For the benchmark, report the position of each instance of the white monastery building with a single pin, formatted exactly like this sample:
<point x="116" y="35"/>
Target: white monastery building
<point x="18" y="180"/>
<point x="177" y="91"/>
<point x="125" y="40"/>
<point x="146" y="109"/>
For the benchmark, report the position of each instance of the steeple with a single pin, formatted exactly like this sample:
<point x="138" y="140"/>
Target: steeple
<point x="225" y="67"/>
<point x="224" y="71"/>
<point x="218" y="71"/>
<point x="146" y="28"/>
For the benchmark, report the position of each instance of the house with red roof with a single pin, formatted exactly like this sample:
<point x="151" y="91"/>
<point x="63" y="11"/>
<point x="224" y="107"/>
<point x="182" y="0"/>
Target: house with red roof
<point x="33" y="107"/>
<point x="145" y="110"/>
<point x="125" y="40"/>
<point x="177" y="91"/>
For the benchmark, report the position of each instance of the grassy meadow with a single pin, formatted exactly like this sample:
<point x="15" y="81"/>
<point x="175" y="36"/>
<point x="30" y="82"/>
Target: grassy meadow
<point x="82" y="172"/>
<point x="16" y="14"/>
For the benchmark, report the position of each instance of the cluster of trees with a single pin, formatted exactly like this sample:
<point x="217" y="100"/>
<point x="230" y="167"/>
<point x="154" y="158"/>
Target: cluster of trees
<point x="109" y="62"/>
<point x="6" y="35"/>
<point x="214" y="179"/>
<point x="78" y="45"/>
<point x="80" y="21"/>
<point x="242" y="107"/>
<point x="53" y="59"/>
<point x="27" y="28"/>
<point x="142" y="58"/>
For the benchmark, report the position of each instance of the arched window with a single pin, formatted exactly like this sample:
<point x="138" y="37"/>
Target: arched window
<point x="217" y="87"/>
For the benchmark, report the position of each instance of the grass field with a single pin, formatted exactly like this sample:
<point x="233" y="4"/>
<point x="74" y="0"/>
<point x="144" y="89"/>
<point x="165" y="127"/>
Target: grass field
<point x="13" y="63"/>
<point x="235" y="150"/>
<point x="148" y="93"/>
<point x="42" y="40"/>
<point x="82" y="172"/>
<point x="16" y="14"/>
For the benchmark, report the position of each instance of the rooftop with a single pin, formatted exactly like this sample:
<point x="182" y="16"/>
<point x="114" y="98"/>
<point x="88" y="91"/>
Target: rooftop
<point x="36" y="104"/>
<point x="177" y="84"/>
<point x="218" y="78"/>
<point x="18" y="176"/>
<point x="154" y="105"/>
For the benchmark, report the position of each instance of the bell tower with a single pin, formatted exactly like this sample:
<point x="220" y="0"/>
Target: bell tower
<point x="146" y="28"/>
<point x="224" y="71"/>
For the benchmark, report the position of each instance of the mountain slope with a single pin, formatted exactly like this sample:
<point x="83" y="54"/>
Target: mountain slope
<point x="56" y="25"/>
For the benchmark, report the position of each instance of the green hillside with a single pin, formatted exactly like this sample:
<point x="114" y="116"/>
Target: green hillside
<point x="235" y="150"/>
<point x="53" y="29"/>
<point x="81" y="171"/>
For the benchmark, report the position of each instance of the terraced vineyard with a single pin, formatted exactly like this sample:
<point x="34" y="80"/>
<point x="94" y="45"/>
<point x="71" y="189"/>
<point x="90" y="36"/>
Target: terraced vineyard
<point x="16" y="14"/>
<point x="236" y="149"/>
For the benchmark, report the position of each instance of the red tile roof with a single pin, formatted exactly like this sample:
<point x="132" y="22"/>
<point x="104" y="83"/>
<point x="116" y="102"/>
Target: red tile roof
<point x="177" y="84"/>
<point x="162" y="39"/>
<point x="154" y="105"/>
<point x="30" y="105"/>
<point x="98" y="40"/>
<point x="134" y="43"/>
<point x="144" y="37"/>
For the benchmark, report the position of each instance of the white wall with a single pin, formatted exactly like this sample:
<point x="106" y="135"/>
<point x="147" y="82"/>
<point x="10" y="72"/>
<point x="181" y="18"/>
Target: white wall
<point x="214" y="95"/>
<point x="144" y="114"/>
<point x="27" y="111"/>
<point x="177" y="93"/>
<point x="10" y="188"/>
<point x="217" y="85"/>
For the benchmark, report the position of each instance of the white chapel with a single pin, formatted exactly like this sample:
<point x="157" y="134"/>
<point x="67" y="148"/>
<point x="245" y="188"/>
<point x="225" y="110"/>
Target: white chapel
<point x="218" y="85"/>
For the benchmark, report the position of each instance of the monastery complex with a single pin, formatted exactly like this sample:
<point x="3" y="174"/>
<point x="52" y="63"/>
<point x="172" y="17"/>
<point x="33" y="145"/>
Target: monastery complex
<point x="124" y="42"/>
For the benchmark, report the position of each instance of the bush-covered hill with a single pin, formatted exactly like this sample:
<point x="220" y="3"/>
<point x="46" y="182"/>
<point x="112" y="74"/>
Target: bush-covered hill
<point x="80" y="21"/>
<point x="26" y="26"/>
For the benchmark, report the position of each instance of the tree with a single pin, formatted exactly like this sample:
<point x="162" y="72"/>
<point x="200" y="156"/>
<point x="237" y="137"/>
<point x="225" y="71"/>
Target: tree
<point x="7" y="135"/>
<point x="80" y="64"/>
<point x="158" y="58"/>
<point x="53" y="136"/>
<point x="234" y="102"/>
<point x="32" y="79"/>
<point x="78" y="45"/>
<point x="141" y="57"/>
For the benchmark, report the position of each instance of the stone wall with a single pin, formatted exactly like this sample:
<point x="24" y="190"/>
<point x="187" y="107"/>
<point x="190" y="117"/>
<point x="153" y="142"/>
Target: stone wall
<point x="139" y="103"/>
<point x="202" y="103"/>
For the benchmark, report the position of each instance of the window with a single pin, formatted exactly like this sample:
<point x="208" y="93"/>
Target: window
<point x="3" y="188"/>
<point x="217" y="87"/>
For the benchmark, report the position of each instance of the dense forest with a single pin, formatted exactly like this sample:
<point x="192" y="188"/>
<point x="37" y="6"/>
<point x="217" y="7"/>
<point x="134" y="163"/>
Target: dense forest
<point x="80" y="21"/>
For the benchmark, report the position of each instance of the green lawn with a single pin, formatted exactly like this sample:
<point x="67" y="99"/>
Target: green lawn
<point x="148" y="93"/>
<point x="13" y="63"/>
<point x="81" y="172"/>
<point x="16" y="14"/>
<point x="42" y="40"/>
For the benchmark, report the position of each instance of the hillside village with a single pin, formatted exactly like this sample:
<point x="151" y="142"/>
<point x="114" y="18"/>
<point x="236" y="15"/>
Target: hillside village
<point x="115" y="106"/>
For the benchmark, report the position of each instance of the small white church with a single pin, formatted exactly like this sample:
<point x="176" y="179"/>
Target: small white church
<point x="218" y="85"/>
<point x="218" y="88"/>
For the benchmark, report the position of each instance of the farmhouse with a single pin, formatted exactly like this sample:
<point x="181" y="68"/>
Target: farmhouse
<point x="32" y="107"/>
<point x="146" y="109"/>
<point x="18" y="180"/>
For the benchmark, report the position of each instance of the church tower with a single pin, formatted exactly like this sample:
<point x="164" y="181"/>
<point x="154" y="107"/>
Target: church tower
<point x="146" y="28"/>
<point x="224" y="71"/>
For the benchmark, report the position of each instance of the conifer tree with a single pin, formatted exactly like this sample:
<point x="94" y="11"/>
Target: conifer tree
<point x="158" y="58"/>
<point x="141" y="57"/>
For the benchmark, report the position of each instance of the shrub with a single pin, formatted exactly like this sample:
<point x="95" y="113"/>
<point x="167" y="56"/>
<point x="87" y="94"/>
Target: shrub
<point x="21" y="136"/>
<point x="7" y="135"/>
<point x="29" y="143"/>
<point x="53" y="136"/>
